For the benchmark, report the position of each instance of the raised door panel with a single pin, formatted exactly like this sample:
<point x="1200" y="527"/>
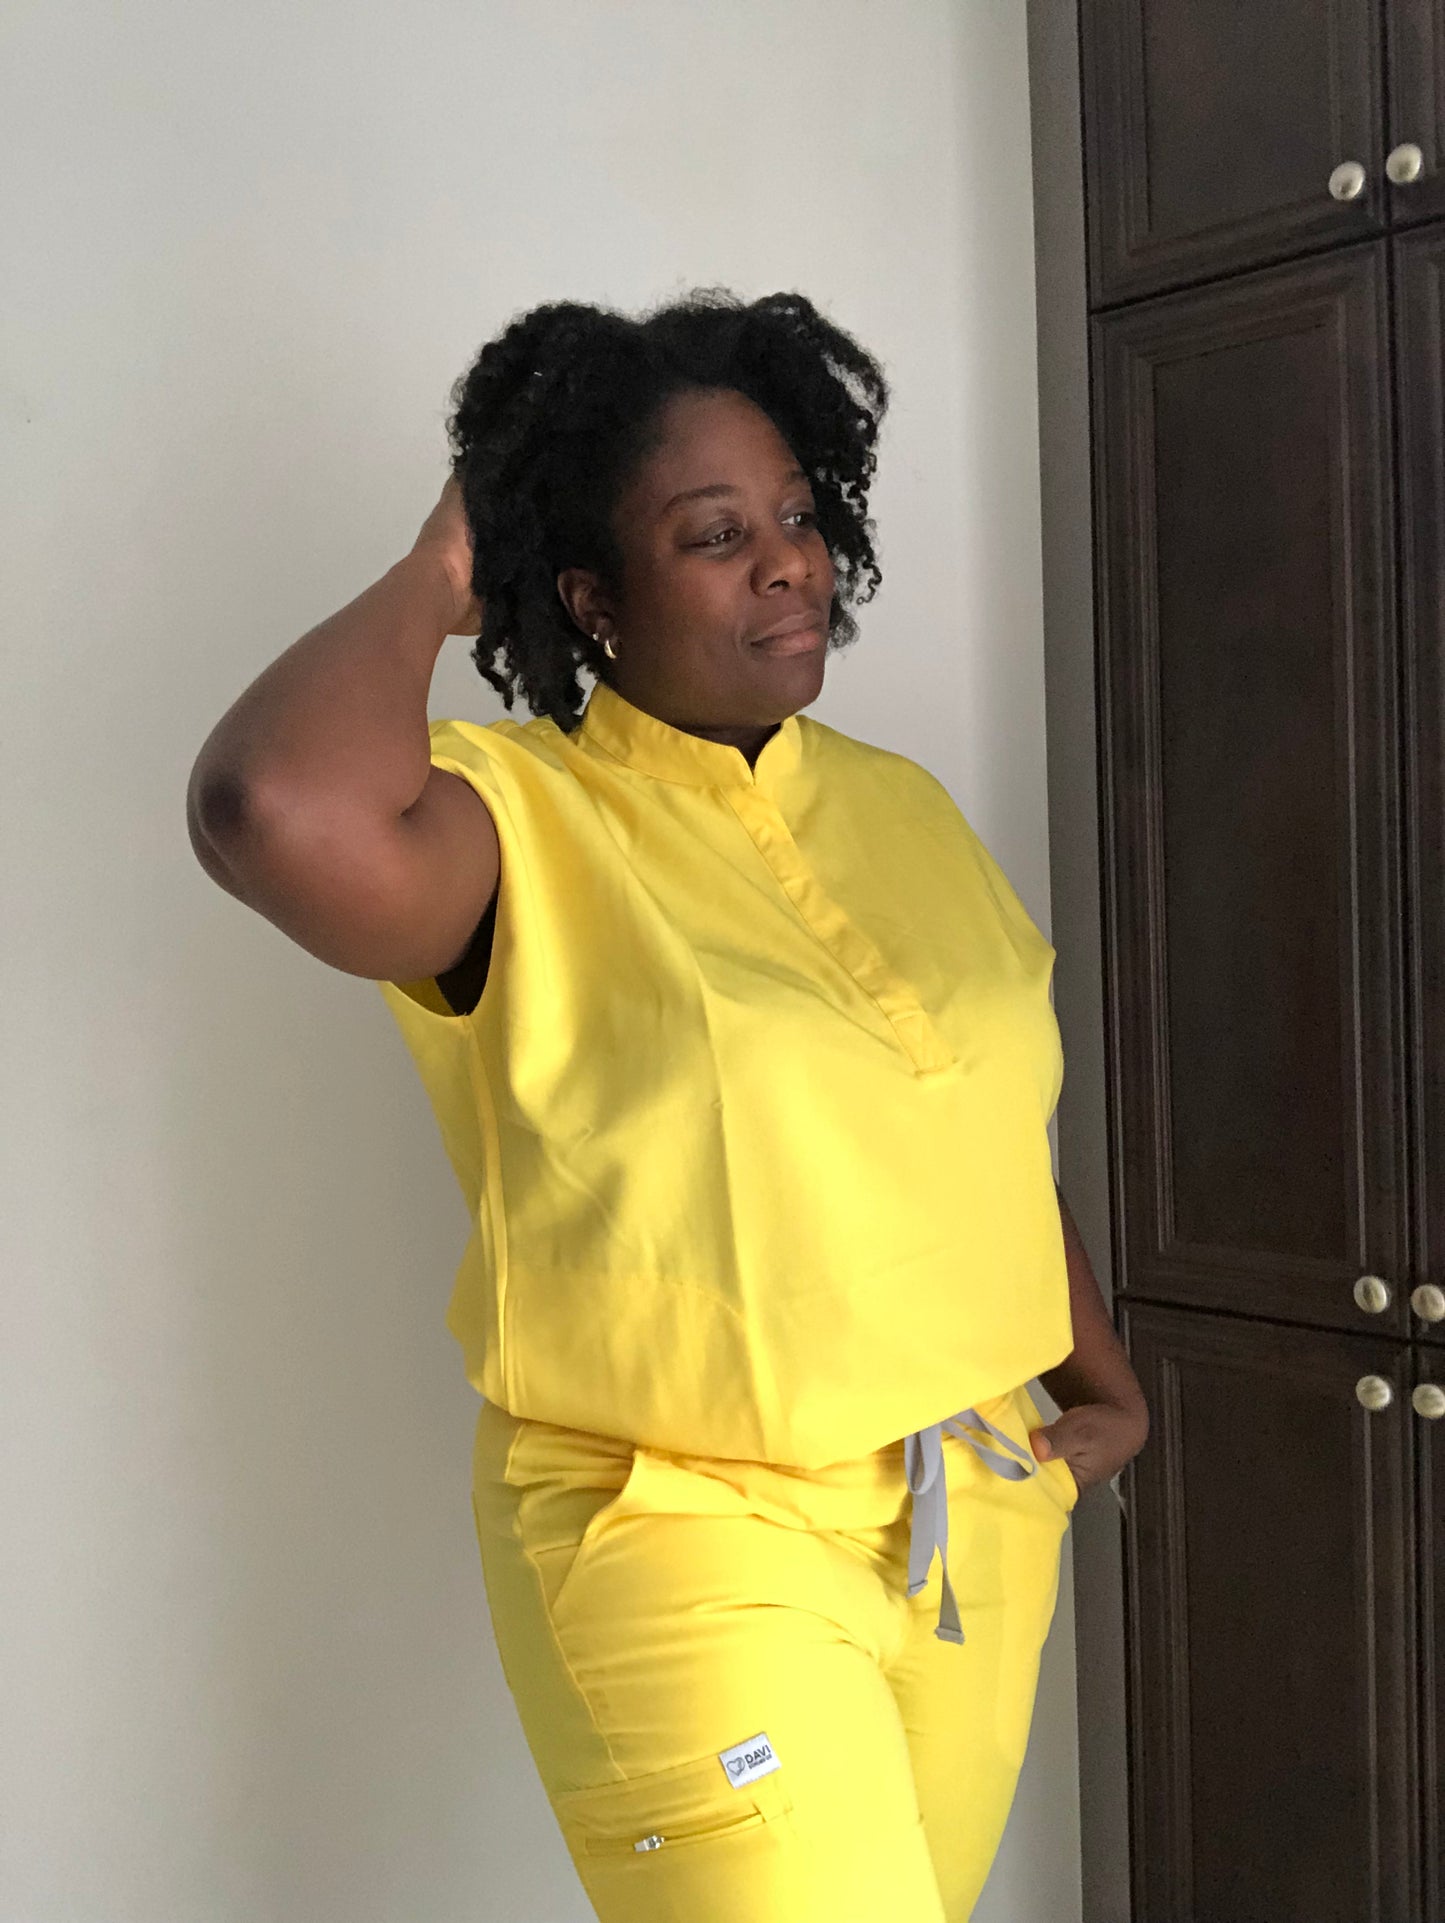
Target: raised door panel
<point x="1249" y="741"/>
<point x="1212" y="129"/>
<point x="1272" y="1627"/>
<point x="1417" y="103"/>
<point x="1420" y="318"/>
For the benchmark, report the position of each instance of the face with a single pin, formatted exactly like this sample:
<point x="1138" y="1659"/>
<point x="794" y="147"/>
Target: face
<point x="720" y="549"/>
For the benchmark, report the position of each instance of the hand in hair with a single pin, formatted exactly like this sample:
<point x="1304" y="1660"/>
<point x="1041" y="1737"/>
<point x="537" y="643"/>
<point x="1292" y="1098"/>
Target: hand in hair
<point x="444" y="538"/>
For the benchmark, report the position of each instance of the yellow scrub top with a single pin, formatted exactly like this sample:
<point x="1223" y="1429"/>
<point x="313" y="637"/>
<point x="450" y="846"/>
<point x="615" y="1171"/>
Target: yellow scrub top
<point x="751" y="1116"/>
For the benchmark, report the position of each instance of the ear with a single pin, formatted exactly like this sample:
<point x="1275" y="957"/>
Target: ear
<point x="581" y="594"/>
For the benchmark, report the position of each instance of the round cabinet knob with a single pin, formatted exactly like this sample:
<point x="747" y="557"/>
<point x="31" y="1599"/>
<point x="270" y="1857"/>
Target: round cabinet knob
<point x="1428" y="1400"/>
<point x="1373" y="1392"/>
<point x="1372" y="1295"/>
<point x="1347" y="182"/>
<point x="1428" y="1302"/>
<point x="1406" y="164"/>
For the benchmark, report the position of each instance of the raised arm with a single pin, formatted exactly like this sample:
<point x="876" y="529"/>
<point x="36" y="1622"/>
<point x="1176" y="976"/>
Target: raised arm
<point x="314" y="800"/>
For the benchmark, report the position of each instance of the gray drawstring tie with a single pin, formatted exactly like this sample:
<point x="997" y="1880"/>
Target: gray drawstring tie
<point x="928" y="1530"/>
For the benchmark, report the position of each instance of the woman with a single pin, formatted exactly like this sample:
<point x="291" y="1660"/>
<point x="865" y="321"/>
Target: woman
<point x="742" y="1049"/>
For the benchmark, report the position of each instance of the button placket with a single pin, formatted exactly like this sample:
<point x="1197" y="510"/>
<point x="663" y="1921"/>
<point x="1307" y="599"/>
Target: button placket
<point x="910" y="1022"/>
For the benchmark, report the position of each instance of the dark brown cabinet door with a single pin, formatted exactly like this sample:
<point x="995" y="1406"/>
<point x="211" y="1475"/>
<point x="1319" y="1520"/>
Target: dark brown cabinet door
<point x="1420" y="321"/>
<point x="1417" y="103"/>
<point x="1213" y="128"/>
<point x="1429" y="1402"/>
<point x="1273" y="1679"/>
<point x="1249" y="708"/>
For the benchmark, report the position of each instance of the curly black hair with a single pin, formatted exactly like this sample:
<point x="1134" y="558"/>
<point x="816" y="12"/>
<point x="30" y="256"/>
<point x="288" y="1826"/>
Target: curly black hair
<point x="557" y="413"/>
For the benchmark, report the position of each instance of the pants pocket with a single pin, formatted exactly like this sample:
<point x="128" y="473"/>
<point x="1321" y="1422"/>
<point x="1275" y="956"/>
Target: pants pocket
<point x="668" y="1810"/>
<point x="1055" y="1473"/>
<point x="569" y="1489"/>
<point x="1066" y="1480"/>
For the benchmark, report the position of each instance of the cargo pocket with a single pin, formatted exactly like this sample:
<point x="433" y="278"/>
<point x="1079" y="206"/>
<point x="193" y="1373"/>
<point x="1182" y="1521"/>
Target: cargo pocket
<point x="668" y="1811"/>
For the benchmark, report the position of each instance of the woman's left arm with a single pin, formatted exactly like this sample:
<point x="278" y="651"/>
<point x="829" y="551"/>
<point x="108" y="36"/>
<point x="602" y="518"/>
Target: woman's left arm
<point x="1105" y="1420"/>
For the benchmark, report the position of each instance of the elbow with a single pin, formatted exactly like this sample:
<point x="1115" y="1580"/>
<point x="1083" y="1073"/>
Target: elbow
<point x="218" y="808"/>
<point x="227" y="817"/>
<point x="212" y="808"/>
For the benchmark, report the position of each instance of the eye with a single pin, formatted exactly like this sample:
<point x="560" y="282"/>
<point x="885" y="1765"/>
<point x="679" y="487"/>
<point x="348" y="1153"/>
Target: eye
<point x="722" y="535"/>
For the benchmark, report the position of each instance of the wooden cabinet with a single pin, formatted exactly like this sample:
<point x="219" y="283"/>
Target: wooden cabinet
<point x="1249" y="675"/>
<point x="1420" y="307"/>
<point x="1419" y="291"/>
<point x="1416" y="40"/>
<point x="1268" y="392"/>
<point x="1429" y="1411"/>
<point x="1222" y="135"/>
<point x="1213" y="128"/>
<point x="1271" y="1599"/>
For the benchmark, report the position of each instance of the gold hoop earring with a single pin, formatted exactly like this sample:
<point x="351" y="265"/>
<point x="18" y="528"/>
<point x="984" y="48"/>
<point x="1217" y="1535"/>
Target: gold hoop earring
<point x="607" y="647"/>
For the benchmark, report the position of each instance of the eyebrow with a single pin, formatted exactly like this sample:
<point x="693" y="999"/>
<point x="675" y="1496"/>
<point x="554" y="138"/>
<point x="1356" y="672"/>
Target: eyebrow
<point x="717" y="488"/>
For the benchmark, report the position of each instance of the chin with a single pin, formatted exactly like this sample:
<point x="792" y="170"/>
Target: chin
<point x="802" y="676"/>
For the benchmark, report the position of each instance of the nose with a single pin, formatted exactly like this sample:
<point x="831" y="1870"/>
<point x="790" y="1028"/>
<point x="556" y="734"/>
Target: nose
<point x="782" y="560"/>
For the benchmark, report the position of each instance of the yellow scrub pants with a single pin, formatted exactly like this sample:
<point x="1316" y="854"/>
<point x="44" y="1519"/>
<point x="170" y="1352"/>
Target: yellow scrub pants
<point x="738" y="1712"/>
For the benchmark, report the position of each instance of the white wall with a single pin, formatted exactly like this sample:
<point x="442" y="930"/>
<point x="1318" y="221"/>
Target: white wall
<point x="247" y="1665"/>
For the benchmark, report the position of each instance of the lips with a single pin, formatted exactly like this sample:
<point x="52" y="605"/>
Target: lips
<point x="795" y="635"/>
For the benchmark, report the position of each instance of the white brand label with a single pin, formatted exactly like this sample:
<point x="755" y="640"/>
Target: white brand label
<point x="744" y="1762"/>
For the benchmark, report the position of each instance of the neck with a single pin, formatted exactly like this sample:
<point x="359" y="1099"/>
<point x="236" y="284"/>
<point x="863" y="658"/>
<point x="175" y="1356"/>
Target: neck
<point x="751" y="741"/>
<point x="750" y="738"/>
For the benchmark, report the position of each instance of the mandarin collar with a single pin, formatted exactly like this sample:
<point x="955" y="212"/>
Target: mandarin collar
<point x="612" y="724"/>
